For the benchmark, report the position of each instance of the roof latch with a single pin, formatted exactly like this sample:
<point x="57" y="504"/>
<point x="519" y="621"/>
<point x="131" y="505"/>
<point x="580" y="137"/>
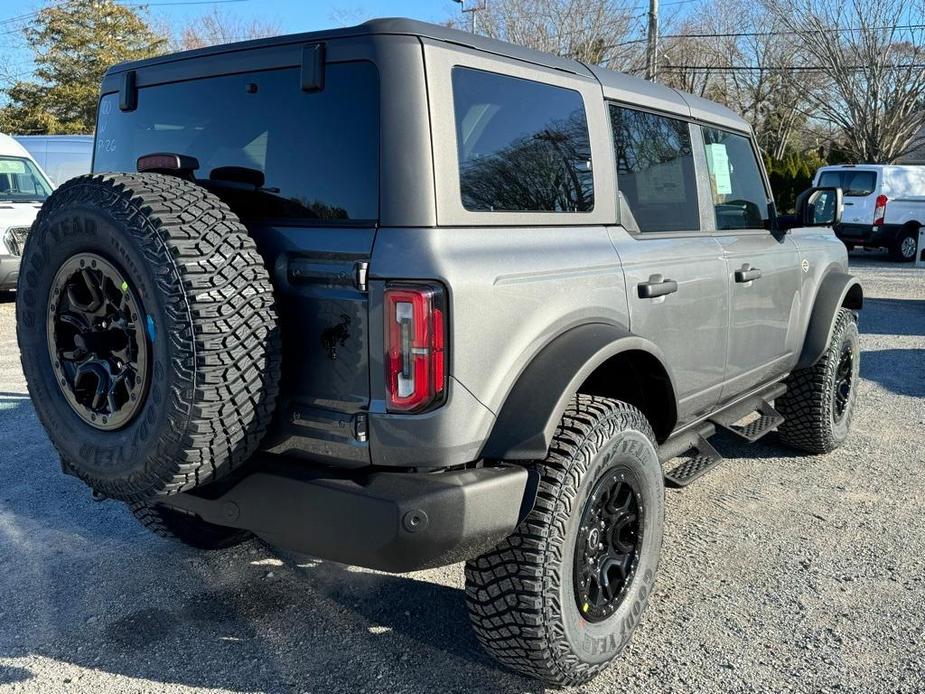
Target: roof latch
<point x="128" y="92"/>
<point x="312" y="67"/>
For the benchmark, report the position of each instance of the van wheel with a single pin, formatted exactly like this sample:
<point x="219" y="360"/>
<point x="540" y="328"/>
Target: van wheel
<point x="819" y="402"/>
<point x="904" y="247"/>
<point x="190" y="530"/>
<point x="148" y="334"/>
<point x="559" y="599"/>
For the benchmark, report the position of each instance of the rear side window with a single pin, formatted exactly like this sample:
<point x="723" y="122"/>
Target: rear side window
<point x="740" y="199"/>
<point x="522" y="145"/>
<point x="855" y="184"/>
<point x="655" y="170"/>
<point x="271" y="150"/>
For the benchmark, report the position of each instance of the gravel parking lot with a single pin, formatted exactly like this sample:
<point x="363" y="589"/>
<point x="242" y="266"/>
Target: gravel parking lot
<point x="779" y="573"/>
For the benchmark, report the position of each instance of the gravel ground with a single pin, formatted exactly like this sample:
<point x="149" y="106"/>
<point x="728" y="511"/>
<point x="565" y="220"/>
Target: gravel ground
<point x="779" y="573"/>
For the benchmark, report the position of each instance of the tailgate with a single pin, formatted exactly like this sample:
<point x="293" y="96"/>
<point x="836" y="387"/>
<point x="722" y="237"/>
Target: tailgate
<point x="323" y="306"/>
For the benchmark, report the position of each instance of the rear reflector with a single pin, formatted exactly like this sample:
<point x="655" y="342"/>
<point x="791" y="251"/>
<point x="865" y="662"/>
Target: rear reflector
<point x="415" y="349"/>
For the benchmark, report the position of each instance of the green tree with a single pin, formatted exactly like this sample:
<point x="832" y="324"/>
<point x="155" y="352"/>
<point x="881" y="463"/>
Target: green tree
<point x="74" y="42"/>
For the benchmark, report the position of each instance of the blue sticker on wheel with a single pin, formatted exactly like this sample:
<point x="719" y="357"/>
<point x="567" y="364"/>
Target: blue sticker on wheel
<point x="152" y="330"/>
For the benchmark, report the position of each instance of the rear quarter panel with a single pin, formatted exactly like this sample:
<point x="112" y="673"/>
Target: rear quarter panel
<point x="511" y="291"/>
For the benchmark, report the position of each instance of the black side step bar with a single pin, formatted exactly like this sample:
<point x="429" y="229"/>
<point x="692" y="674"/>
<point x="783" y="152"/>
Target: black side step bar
<point x="695" y="456"/>
<point x="768" y="418"/>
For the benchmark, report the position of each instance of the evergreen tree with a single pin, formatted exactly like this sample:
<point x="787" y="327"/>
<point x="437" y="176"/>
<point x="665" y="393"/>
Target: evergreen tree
<point x="74" y="42"/>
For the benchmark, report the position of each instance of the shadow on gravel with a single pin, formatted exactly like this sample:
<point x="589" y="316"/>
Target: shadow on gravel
<point x="731" y="446"/>
<point x="7" y="297"/>
<point x="318" y="627"/>
<point x="899" y="370"/>
<point x="13" y="675"/>
<point x="893" y="317"/>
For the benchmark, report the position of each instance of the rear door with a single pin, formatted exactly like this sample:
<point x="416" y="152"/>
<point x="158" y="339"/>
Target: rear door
<point x="300" y="167"/>
<point x="762" y="267"/>
<point x="674" y="269"/>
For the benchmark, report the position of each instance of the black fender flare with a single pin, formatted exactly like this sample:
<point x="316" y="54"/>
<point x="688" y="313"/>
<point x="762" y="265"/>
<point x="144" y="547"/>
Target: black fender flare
<point x="837" y="289"/>
<point x="527" y="421"/>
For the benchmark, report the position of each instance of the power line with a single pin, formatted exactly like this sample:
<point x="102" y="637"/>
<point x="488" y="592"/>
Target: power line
<point x="178" y="3"/>
<point x="781" y="68"/>
<point x="742" y="34"/>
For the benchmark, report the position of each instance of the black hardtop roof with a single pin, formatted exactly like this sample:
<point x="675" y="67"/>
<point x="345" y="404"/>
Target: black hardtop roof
<point x="374" y="27"/>
<point x="615" y="85"/>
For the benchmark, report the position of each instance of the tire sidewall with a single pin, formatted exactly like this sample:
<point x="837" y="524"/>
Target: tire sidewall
<point x="847" y="335"/>
<point x="897" y="250"/>
<point x="628" y="452"/>
<point x="155" y="431"/>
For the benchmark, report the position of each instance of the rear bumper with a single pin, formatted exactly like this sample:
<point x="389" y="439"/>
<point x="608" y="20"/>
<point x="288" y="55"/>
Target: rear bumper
<point x="9" y="271"/>
<point x="391" y="521"/>
<point x="867" y="234"/>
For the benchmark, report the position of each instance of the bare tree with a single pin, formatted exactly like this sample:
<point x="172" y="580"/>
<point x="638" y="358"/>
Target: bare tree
<point x="217" y="27"/>
<point x="587" y="30"/>
<point x="873" y="59"/>
<point x="741" y="55"/>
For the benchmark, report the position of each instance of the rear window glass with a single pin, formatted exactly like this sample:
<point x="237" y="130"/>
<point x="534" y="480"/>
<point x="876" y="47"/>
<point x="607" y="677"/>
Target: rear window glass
<point x="271" y="150"/>
<point x="855" y="184"/>
<point x="522" y="145"/>
<point x="655" y="170"/>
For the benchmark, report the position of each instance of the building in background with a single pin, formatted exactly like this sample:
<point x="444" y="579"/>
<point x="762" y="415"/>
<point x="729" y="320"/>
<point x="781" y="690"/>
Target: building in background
<point x="917" y="154"/>
<point x="60" y="156"/>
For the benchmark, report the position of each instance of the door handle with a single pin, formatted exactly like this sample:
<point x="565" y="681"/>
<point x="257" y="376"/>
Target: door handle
<point x="655" y="287"/>
<point x="747" y="273"/>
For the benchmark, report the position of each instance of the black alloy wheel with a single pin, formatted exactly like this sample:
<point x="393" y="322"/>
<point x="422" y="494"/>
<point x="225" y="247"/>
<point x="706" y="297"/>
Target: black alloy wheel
<point x="608" y="545"/>
<point x="98" y="341"/>
<point x="844" y="377"/>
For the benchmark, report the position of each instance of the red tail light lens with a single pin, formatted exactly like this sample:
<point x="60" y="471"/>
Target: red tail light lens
<point x="880" y="211"/>
<point x="415" y="336"/>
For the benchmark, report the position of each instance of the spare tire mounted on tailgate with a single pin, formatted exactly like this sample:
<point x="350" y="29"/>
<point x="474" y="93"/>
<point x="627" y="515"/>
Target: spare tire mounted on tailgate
<point x="148" y="333"/>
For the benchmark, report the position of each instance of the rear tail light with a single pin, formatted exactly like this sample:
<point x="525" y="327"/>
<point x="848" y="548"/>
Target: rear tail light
<point x="880" y="210"/>
<point x="415" y="349"/>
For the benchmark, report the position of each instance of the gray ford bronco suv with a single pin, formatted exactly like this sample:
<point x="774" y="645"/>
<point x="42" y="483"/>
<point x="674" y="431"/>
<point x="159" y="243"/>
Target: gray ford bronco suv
<point x="399" y="296"/>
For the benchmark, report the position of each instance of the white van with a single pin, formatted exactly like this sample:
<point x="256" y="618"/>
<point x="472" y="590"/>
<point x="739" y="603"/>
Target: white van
<point x="23" y="189"/>
<point x="61" y="156"/>
<point x="884" y="205"/>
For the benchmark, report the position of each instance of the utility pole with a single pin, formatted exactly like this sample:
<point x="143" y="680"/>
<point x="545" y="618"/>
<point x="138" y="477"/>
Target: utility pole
<point x="652" y="42"/>
<point x="473" y="24"/>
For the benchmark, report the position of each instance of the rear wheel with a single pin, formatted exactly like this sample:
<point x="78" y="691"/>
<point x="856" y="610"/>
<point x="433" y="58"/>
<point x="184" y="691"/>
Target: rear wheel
<point x="904" y="247"/>
<point x="819" y="402"/>
<point x="559" y="599"/>
<point x="190" y="530"/>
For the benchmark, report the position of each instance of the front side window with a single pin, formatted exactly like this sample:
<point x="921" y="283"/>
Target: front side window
<point x="655" y="170"/>
<point x="854" y="184"/>
<point x="21" y="181"/>
<point x="740" y="199"/>
<point x="522" y="145"/>
<point x="268" y="148"/>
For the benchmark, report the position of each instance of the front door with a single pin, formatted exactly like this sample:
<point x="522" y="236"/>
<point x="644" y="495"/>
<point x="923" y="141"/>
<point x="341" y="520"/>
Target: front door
<point x="762" y="268"/>
<point x="674" y="269"/>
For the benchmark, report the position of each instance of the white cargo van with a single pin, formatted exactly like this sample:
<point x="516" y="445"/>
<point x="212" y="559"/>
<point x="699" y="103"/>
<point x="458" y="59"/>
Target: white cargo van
<point x="884" y="205"/>
<point x="23" y="189"/>
<point x="60" y="156"/>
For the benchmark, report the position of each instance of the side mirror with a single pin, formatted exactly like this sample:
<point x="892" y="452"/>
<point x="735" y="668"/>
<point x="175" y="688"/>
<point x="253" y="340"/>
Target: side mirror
<point x="819" y="207"/>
